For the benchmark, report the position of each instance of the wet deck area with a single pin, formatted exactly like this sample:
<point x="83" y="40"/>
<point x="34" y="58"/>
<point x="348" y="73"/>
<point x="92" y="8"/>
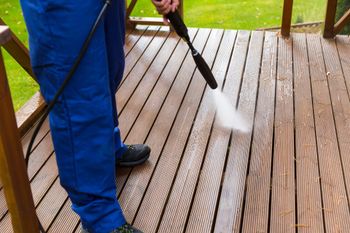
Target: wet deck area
<point x="290" y="173"/>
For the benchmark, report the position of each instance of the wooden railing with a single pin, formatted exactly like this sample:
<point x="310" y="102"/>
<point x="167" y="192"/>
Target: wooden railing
<point x="19" y="52"/>
<point x="12" y="166"/>
<point x="331" y="28"/>
<point x="13" y="172"/>
<point x="32" y="110"/>
<point x="131" y="22"/>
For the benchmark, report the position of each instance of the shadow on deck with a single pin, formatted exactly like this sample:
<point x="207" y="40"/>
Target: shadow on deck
<point x="289" y="174"/>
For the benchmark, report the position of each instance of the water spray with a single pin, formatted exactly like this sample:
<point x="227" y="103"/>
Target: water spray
<point x="227" y="115"/>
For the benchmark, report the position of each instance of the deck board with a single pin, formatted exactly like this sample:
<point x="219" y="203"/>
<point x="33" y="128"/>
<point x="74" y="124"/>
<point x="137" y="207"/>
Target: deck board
<point x="289" y="174"/>
<point x="283" y="174"/>
<point x="343" y="45"/>
<point x="341" y="111"/>
<point x="257" y="202"/>
<point x="231" y="199"/>
<point x="309" y="199"/>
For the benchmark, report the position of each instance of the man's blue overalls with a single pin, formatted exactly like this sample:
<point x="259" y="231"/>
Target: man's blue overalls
<point x="84" y="121"/>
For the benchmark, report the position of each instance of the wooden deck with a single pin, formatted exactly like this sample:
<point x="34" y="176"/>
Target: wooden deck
<point x="290" y="174"/>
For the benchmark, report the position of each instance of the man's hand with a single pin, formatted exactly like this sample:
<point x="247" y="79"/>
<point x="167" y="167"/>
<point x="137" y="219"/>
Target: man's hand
<point x="165" y="6"/>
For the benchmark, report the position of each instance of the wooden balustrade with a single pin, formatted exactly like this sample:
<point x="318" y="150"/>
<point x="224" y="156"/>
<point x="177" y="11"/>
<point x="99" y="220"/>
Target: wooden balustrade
<point x="331" y="28"/>
<point x="345" y="19"/>
<point x="19" y="52"/>
<point x="13" y="170"/>
<point x="32" y="110"/>
<point x="12" y="167"/>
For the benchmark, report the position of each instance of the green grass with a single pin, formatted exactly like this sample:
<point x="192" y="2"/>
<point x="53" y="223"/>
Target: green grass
<point x="239" y="14"/>
<point x="234" y="14"/>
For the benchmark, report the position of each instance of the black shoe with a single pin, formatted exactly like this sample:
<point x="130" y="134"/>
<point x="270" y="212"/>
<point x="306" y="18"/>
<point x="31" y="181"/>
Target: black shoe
<point x="127" y="228"/>
<point x="135" y="155"/>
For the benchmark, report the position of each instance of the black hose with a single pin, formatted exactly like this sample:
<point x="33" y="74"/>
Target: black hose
<point x="64" y="84"/>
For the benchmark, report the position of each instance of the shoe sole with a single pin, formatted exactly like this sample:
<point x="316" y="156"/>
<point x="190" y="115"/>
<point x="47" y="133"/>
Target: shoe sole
<point x="134" y="163"/>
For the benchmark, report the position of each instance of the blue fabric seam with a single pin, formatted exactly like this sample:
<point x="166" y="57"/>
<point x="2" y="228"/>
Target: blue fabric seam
<point x="71" y="139"/>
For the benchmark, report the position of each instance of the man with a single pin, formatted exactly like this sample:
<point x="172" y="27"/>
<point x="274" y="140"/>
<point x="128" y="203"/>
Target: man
<point x="84" y="122"/>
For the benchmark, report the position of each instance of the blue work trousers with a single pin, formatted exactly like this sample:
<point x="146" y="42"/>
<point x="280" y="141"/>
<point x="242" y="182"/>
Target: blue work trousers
<point x="84" y="122"/>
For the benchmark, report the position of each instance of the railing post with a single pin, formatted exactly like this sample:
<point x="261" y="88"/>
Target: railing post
<point x="130" y="8"/>
<point x="330" y="19"/>
<point x="287" y="17"/>
<point x="13" y="171"/>
<point x="181" y="9"/>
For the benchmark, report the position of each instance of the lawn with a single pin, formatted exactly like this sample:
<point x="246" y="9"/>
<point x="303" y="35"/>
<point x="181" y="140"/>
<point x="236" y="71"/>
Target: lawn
<point x="239" y="14"/>
<point x="244" y="14"/>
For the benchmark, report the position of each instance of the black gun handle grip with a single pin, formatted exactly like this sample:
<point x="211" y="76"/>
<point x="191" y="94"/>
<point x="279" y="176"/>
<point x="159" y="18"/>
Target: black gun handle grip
<point x="205" y="70"/>
<point x="178" y="24"/>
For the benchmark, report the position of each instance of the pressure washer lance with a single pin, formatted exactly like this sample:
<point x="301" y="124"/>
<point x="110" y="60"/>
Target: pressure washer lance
<point x="181" y="29"/>
<point x="64" y="84"/>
